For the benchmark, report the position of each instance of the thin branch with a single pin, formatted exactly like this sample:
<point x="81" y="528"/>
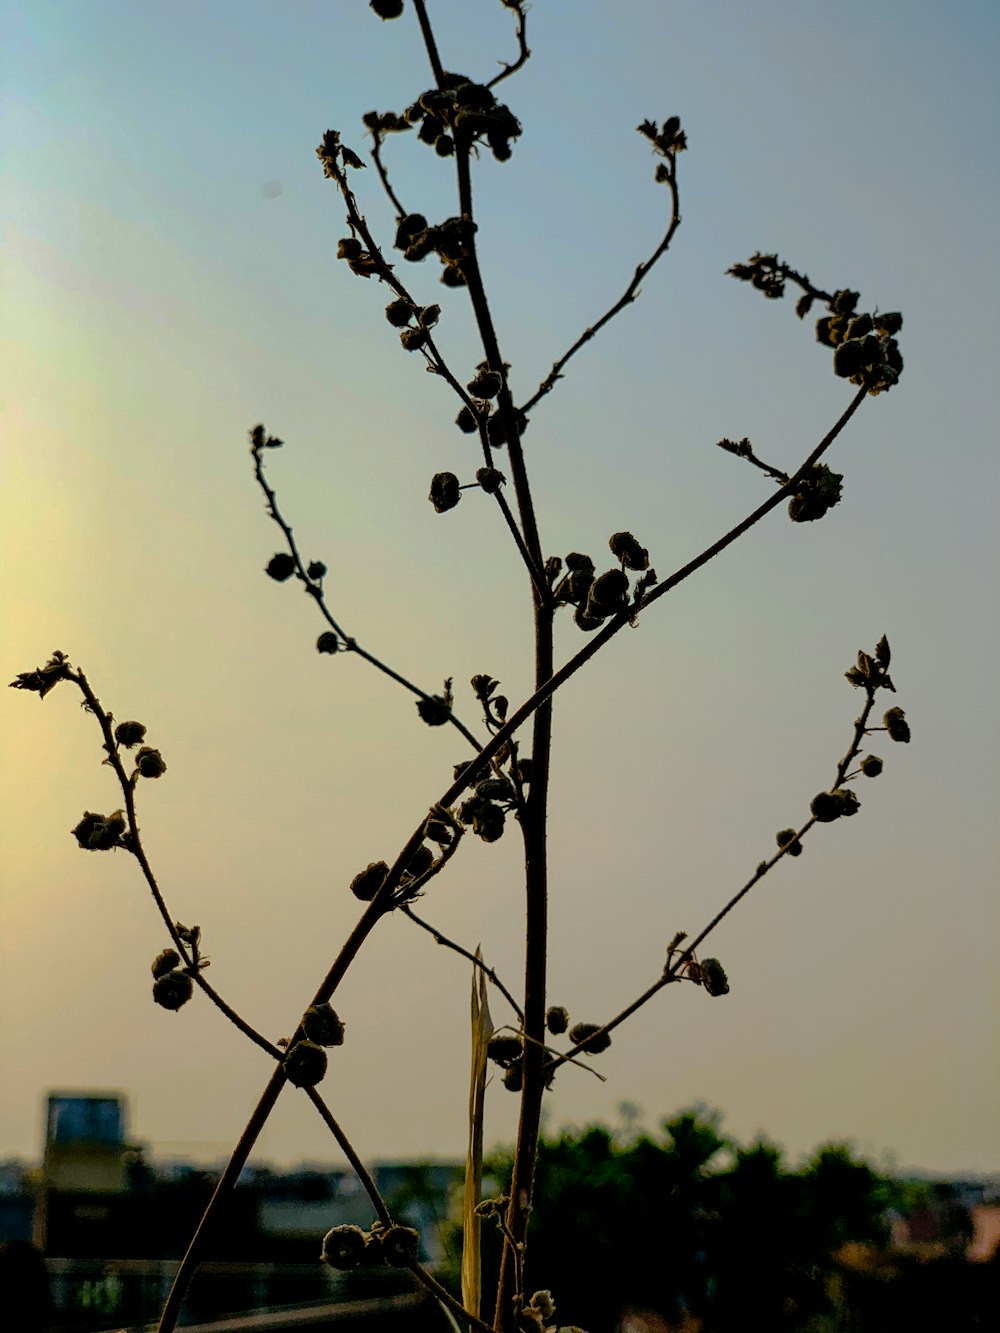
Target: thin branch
<point x="136" y="848"/>
<point x="627" y="297"/>
<point x="477" y="962"/>
<point x="673" y="971"/>
<point x="523" y="53"/>
<point x="383" y="175"/>
<point x="347" y="1148"/>
<point x="314" y="588"/>
<point x="446" y="1298"/>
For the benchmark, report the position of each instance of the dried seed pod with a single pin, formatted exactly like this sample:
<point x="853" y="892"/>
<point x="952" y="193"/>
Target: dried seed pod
<point x="466" y="421"/>
<point x="607" y="593"/>
<point x="349" y="247"/>
<point x="625" y="547"/>
<point x="488" y="822"/>
<point x="440" y="832"/>
<point x="557" y="1019"/>
<point x="486" y="384"/>
<point x="413" y="225"/>
<point x="420" y="861"/>
<point x="280" y="567"/>
<point x="399" y="312"/>
<point x="871" y="765"/>
<point x="150" y="763"/>
<point x="327" y="642"/>
<point x="495" y="789"/>
<point x="504" y="1050"/>
<point x="590" y="1037"/>
<point x="453" y="276"/>
<point x="896" y="725"/>
<point x="129" y="733"/>
<point x="490" y="479"/>
<point x="513" y="1078"/>
<point x="166" y="962"/>
<point x="343" y="1247"/>
<point x="172" y="990"/>
<point x="826" y="807"/>
<point x="367" y="882"/>
<point x="399" y="1246"/>
<point x="99" y="833"/>
<point x="413" y="339"/>
<point x="445" y="491"/>
<point x="787" y="839"/>
<point x="435" y="711"/>
<point x="321" y="1025"/>
<point x="305" y="1064"/>
<point x="713" y="977"/>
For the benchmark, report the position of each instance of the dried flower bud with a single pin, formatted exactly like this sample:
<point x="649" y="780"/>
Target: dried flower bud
<point x="440" y="832"/>
<point x="344" y="1246"/>
<point x="625" y="548"/>
<point x="445" y="491"/>
<point x="466" y="421"/>
<point x="305" y="1064"/>
<point x="890" y="323"/>
<point x="787" y="839"/>
<point x="826" y="807"/>
<point x="844" y="302"/>
<point x="542" y="1302"/>
<point x="713" y="977"/>
<point x="557" y="1019"/>
<point x="490" y="479"/>
<point x="585" y="620"/>
<point x="367" y="882"/>
<point x="172" y="990"/>
<point x="513" y="1078"/>
<point x="316" y="570"/>
<point x="495" y="789"/>
<point x="860" y="326"/>
<point x="399" y="1246"/>
<point x="444" y="145"/>
<point x="487" y="384"/>
<point x="399" y="312"/>
<point x="280" y="566"/>
<point x="453" y="276"/>
<point x="349" y="247"/>
<point x="327" y="642"/>
<point x="590" y="1038"/>
<point x="818" y="491"/>
<point x="871" y="765"/>
<point x="607" y="593"/>
<point x="434" y="711"/>
<point x="129" y="733"/>
<point x="409" y="227"/>
<point x="849" y="803"/>
<point x="504" y="1050"/>
<point x="429" y="316"/>
<point x="420" y="861"/>
<point x="321" y="1025"/>
<point x="166" y="962"/>
<point x="488" y="822"/>
<point x="99" y="833"/>
<point x="150" y="763"/>
<point x="896" y="725"/>
<point x="413" y="339"/>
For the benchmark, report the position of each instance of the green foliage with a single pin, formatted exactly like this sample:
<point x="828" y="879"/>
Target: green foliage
<point x="687" y="1222"/>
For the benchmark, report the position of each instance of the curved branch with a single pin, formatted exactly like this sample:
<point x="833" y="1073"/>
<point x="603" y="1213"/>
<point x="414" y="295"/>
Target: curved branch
<point x="628" y="296"/>
<point x="476" y="961"/>
<point x="523" y="54"/>
<point x="136" y="848"/>
<point x="314" y="588"/>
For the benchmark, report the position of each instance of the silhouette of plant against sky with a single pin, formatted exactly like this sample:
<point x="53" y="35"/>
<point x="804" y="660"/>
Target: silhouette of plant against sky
<point x="502" y="788"/>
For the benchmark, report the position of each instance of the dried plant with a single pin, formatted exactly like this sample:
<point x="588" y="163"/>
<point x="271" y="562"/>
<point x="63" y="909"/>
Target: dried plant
<point x="502" y="789"/>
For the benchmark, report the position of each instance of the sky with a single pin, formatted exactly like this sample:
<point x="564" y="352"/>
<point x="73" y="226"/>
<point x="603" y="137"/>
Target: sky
<point x="170" y="278"/>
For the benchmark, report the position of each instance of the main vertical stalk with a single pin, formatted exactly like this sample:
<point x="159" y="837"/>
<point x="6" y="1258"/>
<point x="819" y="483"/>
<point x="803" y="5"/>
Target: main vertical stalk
<point x="534" y="828"/>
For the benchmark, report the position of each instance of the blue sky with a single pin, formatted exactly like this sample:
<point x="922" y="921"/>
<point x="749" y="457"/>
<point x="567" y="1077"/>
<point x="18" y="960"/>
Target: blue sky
<point x="159" y="300"/>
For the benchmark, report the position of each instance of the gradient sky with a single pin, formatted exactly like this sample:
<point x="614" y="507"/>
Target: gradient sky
<point x="169" y="279"/>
